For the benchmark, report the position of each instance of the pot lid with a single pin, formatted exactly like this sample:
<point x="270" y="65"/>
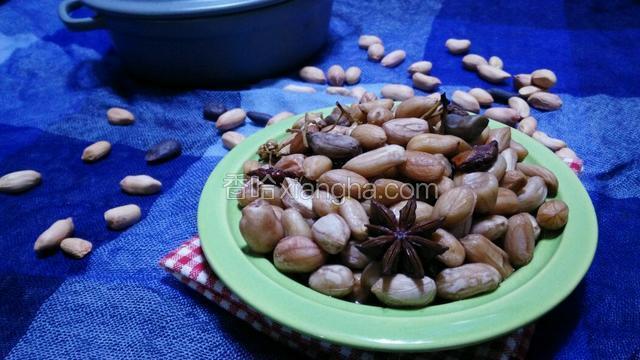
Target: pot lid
<point x="176" y="8"/>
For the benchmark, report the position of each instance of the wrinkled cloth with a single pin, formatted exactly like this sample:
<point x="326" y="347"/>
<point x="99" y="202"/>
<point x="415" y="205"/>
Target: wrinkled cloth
<point x="55" y="88"/>
<point x="188" y="264"/>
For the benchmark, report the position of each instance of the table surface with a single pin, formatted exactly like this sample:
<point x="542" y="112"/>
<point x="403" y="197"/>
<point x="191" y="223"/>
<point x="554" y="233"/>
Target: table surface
<point x="56" y="86"/>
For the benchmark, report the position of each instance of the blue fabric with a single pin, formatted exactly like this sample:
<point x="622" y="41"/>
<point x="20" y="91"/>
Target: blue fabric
<point x="55" y="87"/>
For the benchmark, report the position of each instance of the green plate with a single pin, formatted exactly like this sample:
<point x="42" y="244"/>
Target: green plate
<point x="557" y="267"/>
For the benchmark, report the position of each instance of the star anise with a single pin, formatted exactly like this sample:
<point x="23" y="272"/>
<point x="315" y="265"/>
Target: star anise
<point x="402" y="244"/>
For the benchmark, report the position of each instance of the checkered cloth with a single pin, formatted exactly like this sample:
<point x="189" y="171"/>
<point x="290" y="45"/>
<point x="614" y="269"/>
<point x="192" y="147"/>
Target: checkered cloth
<point x="188" y="264"/>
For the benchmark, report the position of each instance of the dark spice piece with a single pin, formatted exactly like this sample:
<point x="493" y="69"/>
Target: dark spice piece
<point x="212" y="111"/>
<point x="334" y="146"/>
<point x="480" y="158"/>
<point x="401" y="244"/>
<point x="163" y="151"/>
<point x="501" y="96"/>
<point x="259" y="118"/>
<point x="467" y="127"/>
<point x="271" y="175"/>
<point x="454" y="108"/>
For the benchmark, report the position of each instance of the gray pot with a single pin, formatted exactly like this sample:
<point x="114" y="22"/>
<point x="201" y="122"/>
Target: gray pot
<point x="207" y="42"/>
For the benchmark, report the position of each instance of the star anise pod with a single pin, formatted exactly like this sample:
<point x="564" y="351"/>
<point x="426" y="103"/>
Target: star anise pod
<point x="402" y="244"/>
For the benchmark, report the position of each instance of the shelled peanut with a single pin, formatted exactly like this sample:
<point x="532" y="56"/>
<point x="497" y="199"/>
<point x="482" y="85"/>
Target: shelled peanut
<point x="375" y="177"/>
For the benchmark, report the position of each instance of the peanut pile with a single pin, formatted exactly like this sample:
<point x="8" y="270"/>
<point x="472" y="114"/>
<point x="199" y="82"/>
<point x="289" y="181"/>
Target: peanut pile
<point x="397" y="204"/>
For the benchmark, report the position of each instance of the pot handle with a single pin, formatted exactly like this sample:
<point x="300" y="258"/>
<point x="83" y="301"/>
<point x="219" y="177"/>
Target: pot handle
<point x="65" y="9"/>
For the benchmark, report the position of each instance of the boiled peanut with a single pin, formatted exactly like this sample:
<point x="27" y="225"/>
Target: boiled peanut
<point x="543" y="100"/>
<point x="140" y="185"/>
<point x="294" y="224"/>
<point x="495" y="61"/>
<point x="492" y="74"/>
<point x="498" y="168"/>
<point x="76" y="247"/>
<point x="231" y="139"/>
<point x="231" y="119"/>
<point x="416" y="106"/>
<point x="458" y="46"/>
<point x="425" y="82"/>
<point x="553" y="215"/>
<point x="520" y="150"/>
<point x="298" y="254"/>
<point x="485" y="186"/>
<point x="389" y="191"/>
<point x="50" y="239"/>
<point x="480" y="249"/>
<point x="353" y="257"/>
<point x="355" y="216"/>
<point x="364" y="41"/>
<point x="519" y="240"/>
<point x="454" y="256"/>
<point x="455" y="205"/>
<point x="482" y="96"/>
<point x="19" y="181"/>
<point x="532" y="195"/>
<point x="506" y="116"/>
<point x="119" y="116"/>
<point x="466" y="101"/>
<point x="294" y="196"/>
<point x="331" y="232"/>
<point x="122" y="217"/>
<point x="528" y="90"/>
<point x="341" y="182"/>
<point x="323" y="203"/>
<point x="421" y="166"/>
<point x="376" y="162"/>
<point x="521" y="80"/>
<point x="447" y="145"/>
<point x="260" y="227"/>
<point x="352" y="76"/>
<point x="502" y="136"/>
<point x="397" y="92"/>
<point x="506" y="202"/>
<point x="401" y="291"/>
<point x="528" y="125"/>
<point x="316" y="165"/>
<point x="393" y="58"/>
<point x="369" y="136"/>
<point x="467" y="280"/>
<point x="543" y="78"/>
<point x="520" y="106"/>
<point x="472" y="61"/>
<point x="420" y="67"/>
<point x="312" y="74"/>
<point x="379" y="116"/>
<point x="96" y="151"/>
<point x="552" y="143"/>
<point x="336" y="75"/>
<point x="332" y="280"/>
<point x="375" y="52"/>
<point x="513" y="180"/>
<point x="550" y="179"/>
<point x="492" y="227"/>
<point x="400" y="131"/>
<point x="511" y="158"/>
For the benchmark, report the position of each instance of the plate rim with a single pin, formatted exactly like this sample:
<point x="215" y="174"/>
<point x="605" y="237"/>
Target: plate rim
<point x="278" y="311"/>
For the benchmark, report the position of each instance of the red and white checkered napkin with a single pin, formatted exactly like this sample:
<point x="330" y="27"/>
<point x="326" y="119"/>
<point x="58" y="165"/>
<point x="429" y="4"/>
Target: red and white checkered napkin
<point x="188" y="264"/>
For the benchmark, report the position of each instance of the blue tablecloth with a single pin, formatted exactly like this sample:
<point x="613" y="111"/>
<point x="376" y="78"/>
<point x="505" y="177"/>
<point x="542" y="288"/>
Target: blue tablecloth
<point x="55" y="87"/>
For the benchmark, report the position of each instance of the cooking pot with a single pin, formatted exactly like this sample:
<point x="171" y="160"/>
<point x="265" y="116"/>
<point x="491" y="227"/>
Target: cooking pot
<point x="206" y="42"/>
